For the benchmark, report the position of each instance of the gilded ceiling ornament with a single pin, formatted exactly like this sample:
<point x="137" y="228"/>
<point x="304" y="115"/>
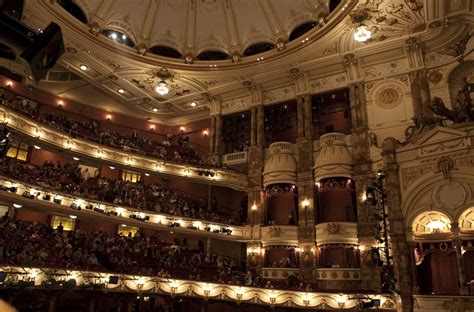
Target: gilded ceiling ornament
<point x="457" y="48"/>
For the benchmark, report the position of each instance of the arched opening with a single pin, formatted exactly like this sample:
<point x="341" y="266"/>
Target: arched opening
<point x="212" y="55"/>
<point x="118" y="36"/>
<point x="165" y="51"/>
<point x="74" y="10"/>
<point x="301" y="30"/>
<point x="258" y="47"/>
<point x="431" y="222"/>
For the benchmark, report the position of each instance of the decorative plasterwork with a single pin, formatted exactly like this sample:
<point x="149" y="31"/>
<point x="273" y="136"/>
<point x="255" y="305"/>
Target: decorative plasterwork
<point x="431" y="222"/>
<point x="144" y="285"/>
<point x="394" y="18"/>
<point x="279" y="94"/>
<point x="385" y="69"/>
<point x="328" y="83"/>
<point x="236" y="105"/>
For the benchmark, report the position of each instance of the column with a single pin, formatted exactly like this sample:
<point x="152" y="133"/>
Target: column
<point x="260" y="125"/>
<point x="213" y="135"/>
<point x="457" y="243"/>
<point x="400" y="247"/>
<point x="253" y="126"/>
<point x="308" y="116"/>
<point x="300" y="115"/>
<point x="218" y="131"/>
<point x="358" y="106"/>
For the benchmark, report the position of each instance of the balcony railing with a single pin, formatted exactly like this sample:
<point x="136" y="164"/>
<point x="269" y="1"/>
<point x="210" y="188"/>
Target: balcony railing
<point x="337" y="233"/>
<point x="235" y="158"/>
<point x="200" y="290"/>
<point x="338" y="274"/>
<point x="56" y="202"/>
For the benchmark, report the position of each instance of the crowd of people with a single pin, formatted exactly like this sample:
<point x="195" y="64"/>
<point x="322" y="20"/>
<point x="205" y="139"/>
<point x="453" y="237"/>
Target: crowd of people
<point x="39" y="245"/>
<point x="70" y="179"/>
<point x="173" y="148"/>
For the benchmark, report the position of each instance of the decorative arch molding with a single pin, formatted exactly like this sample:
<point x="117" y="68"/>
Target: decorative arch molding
<point x="457" y="74"/>
<point x="466" y="220"/>
<point x="436" y="193"/>
<point x="431" y="222"/>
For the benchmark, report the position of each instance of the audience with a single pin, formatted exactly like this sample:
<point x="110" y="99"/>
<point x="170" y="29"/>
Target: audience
<point x="38" y="245"/>
<point x="174" y="148"/>
<point x="151" y="197"/>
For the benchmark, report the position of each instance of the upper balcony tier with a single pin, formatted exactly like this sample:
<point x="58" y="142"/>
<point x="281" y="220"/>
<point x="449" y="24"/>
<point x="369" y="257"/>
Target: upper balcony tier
<point x="46" y="134"/>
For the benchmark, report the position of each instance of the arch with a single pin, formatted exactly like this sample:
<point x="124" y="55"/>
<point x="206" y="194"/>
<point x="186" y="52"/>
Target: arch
<point x="258" y="47"/>
<point x="466" y="220"/>
<point x="431" y="222"/>
<point x="121" y="37"/>
<point x="165" y="51"/>
<point x="422" y="189"/>
<point x="455" y="77"/>
<point x="75" y="10"/>
<point x="212" y="55"/>
<point x="301" y="29"/>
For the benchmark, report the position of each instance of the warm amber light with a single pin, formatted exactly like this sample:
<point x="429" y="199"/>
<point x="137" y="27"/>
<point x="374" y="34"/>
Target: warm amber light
<point x="152" y="127"/>
<point x="205" y="133"/>
<point x="305" y="203"/>
<point x="254" y="207"/>
<point x="108" y="117"/>
<point x="9" y="83"/>
<point x="182" y="129"/>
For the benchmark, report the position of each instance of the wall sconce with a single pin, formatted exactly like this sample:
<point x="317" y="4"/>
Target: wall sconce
<point x="207" y="290"/>
<point x="186" y="172"/>
<point x="272" y="297"/>
<point x="205" y="133"/>
<point x="341" y="300"/>
<point x="6" y="120"/>
<point x="158" y="167"/>
<point x="152" y="127"/>
<point x="140" y="283"/>
<point x="174" y="285"/>
<point x="108" y="117"/>
<point x="239" y="293"/>
<point x="182" y="129"/>
<point x="60" y="103"/>
<point x="37" y="133"/>
<point x="306" y="300"/>
<point x="9" y="83"/>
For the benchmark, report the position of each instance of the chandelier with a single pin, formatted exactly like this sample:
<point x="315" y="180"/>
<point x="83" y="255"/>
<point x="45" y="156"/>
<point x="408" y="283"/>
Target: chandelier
<point x="162" y="88"/>
<point x="163" y="75"/>
<point x="362" y="33"/>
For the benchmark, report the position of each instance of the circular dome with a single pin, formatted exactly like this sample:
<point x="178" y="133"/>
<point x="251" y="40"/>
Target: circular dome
<point x="208" y="29"/>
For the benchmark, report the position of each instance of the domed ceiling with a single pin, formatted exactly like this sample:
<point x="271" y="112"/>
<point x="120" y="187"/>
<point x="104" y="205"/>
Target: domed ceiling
<point x="223" y="55"/>
<point x="194" y="26"/>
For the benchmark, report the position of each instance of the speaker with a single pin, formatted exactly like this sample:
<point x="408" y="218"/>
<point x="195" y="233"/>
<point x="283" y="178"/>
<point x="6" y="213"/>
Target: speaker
<point x="44" y="52"/>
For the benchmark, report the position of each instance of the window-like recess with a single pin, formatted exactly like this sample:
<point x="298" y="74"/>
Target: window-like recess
<point x="212" y="55"/>
<point x="165" y="51"/>
<point x="257" y="48"/>
<point x="131" y="176"/>
<point x="301" y="30"/>
<point x="118" y="36"/>
<point x="18" y="150"/>
<point x="74" y="10"/>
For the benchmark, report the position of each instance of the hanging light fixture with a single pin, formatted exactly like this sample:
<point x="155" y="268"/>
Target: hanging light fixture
<point x="162" y="88"/>
<point x="362" y="33"/>
<point x="164" y="76"/>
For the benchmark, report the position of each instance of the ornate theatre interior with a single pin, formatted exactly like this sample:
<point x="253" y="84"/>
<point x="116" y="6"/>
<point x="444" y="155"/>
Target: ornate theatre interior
<point x="236" y="155"/>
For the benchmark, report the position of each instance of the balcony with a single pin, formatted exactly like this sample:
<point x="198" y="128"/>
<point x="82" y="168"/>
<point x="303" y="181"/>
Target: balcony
<point x="278" y="273"/>
<point x="58" y="139"/>
<point x="61" y="203"/>
<point x="144" y="285"/>
<point x="338" y="274"/>
<point x="337" y="233"/>
<point x="332" y="156"/>
<point x="279" y="235"/>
